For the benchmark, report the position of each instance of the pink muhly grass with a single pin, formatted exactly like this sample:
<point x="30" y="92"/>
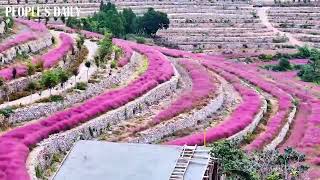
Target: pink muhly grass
<point x="55" y="55"/>
<point x="16" y="143"/>
<point x="35" y="26"/>
<point x="49" y="59"/>
<point x="201" y="89"/>
<point x="18" y="40"/>
<point x="61" y="28"/>
<point x="126" y="49"/>
<point x="91" y="35"/>
<point x="7" y="74"/>
<point x="239" y="119"/>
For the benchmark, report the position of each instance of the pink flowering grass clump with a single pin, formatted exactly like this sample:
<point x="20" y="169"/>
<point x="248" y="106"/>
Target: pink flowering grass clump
<point x="49" y="59"/>
<point x="18" y="40"/>
<point x="35" y="26"/>
<point x="7" y="73"/>
<point x="275" y="123"/>
<point x="305" y="133"/>
<point x="184" y="54"/>
<point x="16" y="144"/>
<point x="91" y="35"/>
<point x="202" y="87"/>
<point x="127" y="52"/>
<point x="239" y="119"/>
<point x="61" y="27"/>
<point x="52" y="57"/>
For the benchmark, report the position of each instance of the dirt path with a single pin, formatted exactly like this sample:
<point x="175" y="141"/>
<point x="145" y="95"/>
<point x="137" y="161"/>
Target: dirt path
<point x="262" y="13"/>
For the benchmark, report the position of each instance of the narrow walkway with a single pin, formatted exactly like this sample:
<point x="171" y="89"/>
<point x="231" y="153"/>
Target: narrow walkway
<point x="81" y="77"/>
<point x="262" y="13"/>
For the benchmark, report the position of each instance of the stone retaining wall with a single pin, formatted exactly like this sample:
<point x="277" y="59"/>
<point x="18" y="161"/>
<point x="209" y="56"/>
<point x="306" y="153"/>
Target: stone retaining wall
<point x="283" y="132"/>
<point x="250" y="128"/>
<point x="38" y="110"/>
<point x="62" y="142"/>
<point x="181" y="122"/>
<point x="2" y="27"/>
<point x="28" y="47"/>
<point x="22" y="83"/>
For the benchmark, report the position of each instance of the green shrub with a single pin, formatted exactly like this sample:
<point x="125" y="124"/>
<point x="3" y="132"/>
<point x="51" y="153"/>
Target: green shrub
<point x="140" y="40"/>
<point x="248" y="138"/>
<point x="113" y="64"/>
<point x="284" y="64"/>
<point x="81" y="86"/>
<point x="234" y="162"/>
<point x="269" y="165"/>
<point x="55" y="98"/>
<point x="266" y="57"/>
<point x="6" y="112"/>
<point x="311" y="71"/>
<point x="304" y="52"/>
<point x="39" y="172"/>
<point x="307" y="74"/>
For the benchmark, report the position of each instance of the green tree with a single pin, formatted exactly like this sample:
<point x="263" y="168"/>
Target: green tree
<point x="108" y="7"/>
<point x="88" y="65"/>
<point x="73" y="22"/>
<point x="80" y="41"/>
<point x="6" y="112"/>
<point x="105" y="46"/>
<point x="31" y="68"/>
<point x="49" y="79"/>
<point x="234" y="162"/>
<point x="97" y="61"/>
<point x="153" y="20"/>
<point x="304" y="52"/>
<point x="269" y="165"/>
<point x="129" y="18"/>
<point x="113" y="22"/>
<point x="311" y="71"/>
<point x="32" y="86"/>
<point x="284" y="64"/>
<point x="8" y="23"/>
<point x="63" y="19"/>
<point x="63" y="76"/>
<point x="101" y="5"/>
<point x="75" y="73"/>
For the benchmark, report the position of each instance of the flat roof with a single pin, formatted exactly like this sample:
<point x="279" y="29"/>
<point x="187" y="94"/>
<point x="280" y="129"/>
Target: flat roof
<point x="100" y="160"/>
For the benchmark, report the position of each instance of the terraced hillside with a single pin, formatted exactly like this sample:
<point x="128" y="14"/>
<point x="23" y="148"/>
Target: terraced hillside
<point x="238" y="27"/>
<point x="302" y="22"/>
<point x="235" y="25"/>
<point x="159" y="95"/>
<point x="144" y="93"/>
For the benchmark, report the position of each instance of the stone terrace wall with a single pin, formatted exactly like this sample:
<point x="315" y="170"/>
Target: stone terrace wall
<point x="2" y="27"/>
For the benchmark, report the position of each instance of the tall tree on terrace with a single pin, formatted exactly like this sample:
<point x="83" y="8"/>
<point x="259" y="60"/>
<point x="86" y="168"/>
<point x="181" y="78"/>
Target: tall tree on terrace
<point x="105" y="46"/>
<point x="88" y="65"/>
<point x="63" y="76"/>
<point x="129" y="17"/>
<point x="153" y="20"/>
<point x="49" y="79"/>
<point x="75" y="72"/>
<point x="80" y="41"/>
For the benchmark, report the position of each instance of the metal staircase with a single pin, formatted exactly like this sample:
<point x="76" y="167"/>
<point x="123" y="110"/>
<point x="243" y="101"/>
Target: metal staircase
<point x="183" y="162"/>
